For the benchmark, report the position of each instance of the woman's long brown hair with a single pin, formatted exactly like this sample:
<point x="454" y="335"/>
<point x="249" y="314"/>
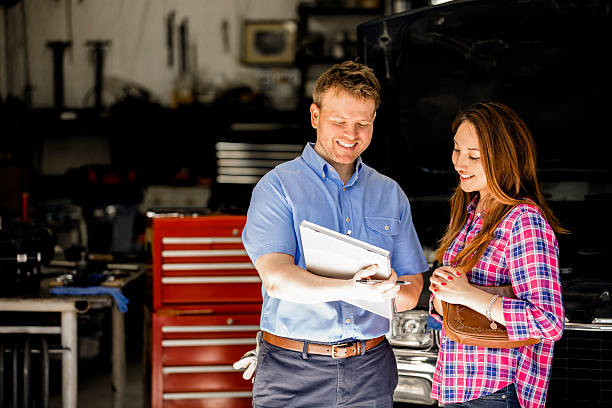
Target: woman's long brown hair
<point x="508" y="155"/>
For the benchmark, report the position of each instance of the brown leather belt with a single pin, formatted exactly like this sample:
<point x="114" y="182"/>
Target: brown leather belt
<point x="342" y="350"/>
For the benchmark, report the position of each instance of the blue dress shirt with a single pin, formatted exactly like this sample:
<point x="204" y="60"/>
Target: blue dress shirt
<point x="370" y="207"/>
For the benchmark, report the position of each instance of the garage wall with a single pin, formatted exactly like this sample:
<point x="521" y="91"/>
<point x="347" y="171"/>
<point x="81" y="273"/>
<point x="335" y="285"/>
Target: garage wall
<point x="138" y="51"/>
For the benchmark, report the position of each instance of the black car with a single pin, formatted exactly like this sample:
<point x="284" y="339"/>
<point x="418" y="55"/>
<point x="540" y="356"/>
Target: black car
<point x="550" y="62"/>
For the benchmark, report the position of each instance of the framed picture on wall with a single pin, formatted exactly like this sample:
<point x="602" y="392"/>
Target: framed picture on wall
<point x="269" y="42"/>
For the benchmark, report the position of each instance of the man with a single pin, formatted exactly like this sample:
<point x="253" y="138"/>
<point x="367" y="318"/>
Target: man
<point x="304" y="314"/>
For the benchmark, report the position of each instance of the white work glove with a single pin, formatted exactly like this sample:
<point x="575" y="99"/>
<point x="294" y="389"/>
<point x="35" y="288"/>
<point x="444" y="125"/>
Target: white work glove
<point x="248" y="361"/>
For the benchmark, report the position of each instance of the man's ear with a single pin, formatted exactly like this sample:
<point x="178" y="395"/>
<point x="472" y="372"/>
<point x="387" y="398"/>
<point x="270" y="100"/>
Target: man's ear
<point x="315" y="114"/>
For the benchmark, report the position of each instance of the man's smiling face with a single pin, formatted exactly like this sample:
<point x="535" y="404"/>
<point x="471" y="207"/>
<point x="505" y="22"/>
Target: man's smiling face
<point x="344" y="126"/>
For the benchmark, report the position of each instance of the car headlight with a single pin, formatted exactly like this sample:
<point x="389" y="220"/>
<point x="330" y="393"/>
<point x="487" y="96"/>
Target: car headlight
<point x="410" y="329"/>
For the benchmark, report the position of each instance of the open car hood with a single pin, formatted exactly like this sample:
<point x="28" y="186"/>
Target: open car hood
<point x="549" y="61"/>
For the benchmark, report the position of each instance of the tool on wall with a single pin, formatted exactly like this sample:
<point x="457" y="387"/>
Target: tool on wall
<point x="27" y="88"/>
<point x="8" y="70"/>
<point x="184" y="84"/>
<point x="68" y="22"/>
<point x="225" y="35"/>
<point x="98" y="49"/>
<point x="184" y="46"/>
<point x="58" y="48"/>
<point x="170" y="37"/>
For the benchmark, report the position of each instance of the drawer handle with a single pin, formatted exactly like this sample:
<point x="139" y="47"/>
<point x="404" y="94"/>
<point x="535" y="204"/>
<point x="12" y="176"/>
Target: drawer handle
<point x="201" y="240"/>
<point x="204" y="252"/>
<point x="203" y="395"/>
<point x="206" y="266"/>
<point x="207" y="342"/>
<point x="199" y="369"/>
<point x="207" y="329"/>
<point x="189" y="312"/>
<point x="209" y="279"/>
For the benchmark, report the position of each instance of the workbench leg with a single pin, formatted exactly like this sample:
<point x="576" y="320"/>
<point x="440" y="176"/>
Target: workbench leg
<point x="119" y="364"/>
<point x="69" y="359"/>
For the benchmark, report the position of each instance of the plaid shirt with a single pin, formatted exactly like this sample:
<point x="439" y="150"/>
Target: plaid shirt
<point x="524" y="253"/>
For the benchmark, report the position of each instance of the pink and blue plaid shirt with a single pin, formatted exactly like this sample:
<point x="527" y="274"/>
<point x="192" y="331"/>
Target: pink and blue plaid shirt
<point x="524" y="253"/>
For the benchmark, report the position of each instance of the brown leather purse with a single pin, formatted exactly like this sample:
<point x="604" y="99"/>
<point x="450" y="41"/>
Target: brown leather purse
<point x="471" y="328"/>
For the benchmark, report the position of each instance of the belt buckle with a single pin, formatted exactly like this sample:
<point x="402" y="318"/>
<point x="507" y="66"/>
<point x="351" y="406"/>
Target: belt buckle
<point x="333" y="350"/>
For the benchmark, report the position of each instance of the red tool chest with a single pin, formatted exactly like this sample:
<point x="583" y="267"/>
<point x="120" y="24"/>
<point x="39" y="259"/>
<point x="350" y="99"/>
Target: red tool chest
<point x="206" y="308"/>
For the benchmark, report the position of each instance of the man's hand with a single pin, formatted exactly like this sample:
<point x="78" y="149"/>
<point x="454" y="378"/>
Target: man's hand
<point x="374" y="292"/>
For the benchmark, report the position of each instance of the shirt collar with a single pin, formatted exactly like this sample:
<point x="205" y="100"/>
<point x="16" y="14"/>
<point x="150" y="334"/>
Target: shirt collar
<point x="322" y="168"/>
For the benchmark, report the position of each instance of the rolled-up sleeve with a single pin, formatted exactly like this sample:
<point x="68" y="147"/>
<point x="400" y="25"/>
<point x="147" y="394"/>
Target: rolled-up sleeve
<point x="532" y="258"/>
<point x="408" y="257"/>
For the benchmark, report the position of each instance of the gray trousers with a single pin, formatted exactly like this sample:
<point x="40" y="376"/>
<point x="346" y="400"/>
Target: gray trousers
<point x="290" y="379"/>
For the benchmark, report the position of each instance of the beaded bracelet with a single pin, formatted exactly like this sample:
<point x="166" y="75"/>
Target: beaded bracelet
<point x="493" y="325"/>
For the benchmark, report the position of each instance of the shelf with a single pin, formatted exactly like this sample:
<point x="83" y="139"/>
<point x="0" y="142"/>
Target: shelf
<point x="314" y="9"/>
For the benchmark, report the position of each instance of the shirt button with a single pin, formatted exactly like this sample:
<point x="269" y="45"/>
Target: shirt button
<point x="348" y="219"/>
<point x="386" y="228"/>
<point x="343" y="188"/>
<point x="348" y="320"/>
<point x="348" y="232"/>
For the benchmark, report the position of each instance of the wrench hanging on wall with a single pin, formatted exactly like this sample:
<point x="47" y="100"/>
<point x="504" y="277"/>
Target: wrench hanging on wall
<point x="58" y="48"/>
<point x="184" y="46"/>
<point x="170" y="37"/>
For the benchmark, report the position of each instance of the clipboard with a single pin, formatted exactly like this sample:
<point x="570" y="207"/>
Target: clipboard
<point x="334" y="255"/>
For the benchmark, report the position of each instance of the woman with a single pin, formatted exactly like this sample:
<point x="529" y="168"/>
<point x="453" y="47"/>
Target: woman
<point x="501" y="232"/>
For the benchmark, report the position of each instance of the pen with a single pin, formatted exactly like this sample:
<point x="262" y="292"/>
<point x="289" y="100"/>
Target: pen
<point x="378" y="281"/>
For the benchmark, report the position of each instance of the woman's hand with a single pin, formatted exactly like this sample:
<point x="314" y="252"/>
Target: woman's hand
<point x="450" y="285"/>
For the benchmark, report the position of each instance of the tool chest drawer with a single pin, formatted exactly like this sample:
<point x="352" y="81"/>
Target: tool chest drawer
<point x="223" y="401"/>
<point x="201" y="260"/>
<point x="205" y="340"/>
<point x="193" y="355"/>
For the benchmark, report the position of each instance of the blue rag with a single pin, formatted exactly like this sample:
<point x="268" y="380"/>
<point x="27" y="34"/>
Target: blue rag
<point x="120" y="300"/>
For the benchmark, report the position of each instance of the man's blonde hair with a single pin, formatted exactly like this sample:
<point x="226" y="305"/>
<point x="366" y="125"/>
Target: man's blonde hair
<point x="351" y="77"/>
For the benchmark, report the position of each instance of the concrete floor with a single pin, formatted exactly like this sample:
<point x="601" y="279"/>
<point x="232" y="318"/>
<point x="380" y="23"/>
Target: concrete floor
<point x="95" y="385"/>
<point x="95" y="389"/>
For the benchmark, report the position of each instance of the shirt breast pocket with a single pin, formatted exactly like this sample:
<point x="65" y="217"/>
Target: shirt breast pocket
<point x="382" y="230"/>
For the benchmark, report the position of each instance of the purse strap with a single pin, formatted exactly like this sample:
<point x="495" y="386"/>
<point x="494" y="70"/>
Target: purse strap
<point x="503" y="291"/>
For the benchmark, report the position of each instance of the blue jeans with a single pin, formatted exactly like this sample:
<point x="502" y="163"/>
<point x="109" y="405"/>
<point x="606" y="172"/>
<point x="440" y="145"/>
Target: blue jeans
<point x="504" y="398"/>
<point x="289" y="379"/>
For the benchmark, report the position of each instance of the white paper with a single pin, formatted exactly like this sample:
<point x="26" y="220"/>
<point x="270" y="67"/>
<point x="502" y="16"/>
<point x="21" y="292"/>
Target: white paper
<point x="334" y="255"/>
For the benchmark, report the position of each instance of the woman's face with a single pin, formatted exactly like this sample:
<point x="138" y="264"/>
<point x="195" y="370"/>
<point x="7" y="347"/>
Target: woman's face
<point x="466" y="159"/>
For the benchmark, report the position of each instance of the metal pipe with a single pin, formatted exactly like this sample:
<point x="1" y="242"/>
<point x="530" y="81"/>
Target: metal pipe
<point x="69" y="360"/>
<point x="119" y="364"/>
<point x="41" y="305"/>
